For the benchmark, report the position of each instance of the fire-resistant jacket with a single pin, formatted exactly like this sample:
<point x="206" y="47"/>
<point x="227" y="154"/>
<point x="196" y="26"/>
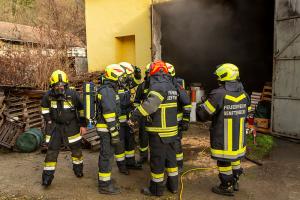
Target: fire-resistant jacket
<point x="229" y="105"/>
<point x="141" y="93"/>
<point x="64" y="110"/>
<point x="108" y="108"/>
<point x="161" y="105"/>
<point x="184" y="102"/>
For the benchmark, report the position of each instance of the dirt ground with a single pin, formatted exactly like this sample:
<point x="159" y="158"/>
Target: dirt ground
<point x="277" y="179"/>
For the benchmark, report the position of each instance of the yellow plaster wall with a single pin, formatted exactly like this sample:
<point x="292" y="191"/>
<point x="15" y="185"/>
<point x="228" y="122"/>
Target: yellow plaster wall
<point x="109" y="20"/>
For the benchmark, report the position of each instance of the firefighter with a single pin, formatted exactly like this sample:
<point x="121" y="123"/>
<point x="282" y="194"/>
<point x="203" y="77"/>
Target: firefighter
<point x="183" y="115"/>
<point x="65" y="123"/>
<point x="108" y="112"/>
<point x="228" y="105"/>
<point x="161" y="106"/>
<point x="140" y="96"/>
<point x="133" y="76"/>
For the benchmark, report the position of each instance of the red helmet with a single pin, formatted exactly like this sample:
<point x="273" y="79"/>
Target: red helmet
<point x="158" y="66"/>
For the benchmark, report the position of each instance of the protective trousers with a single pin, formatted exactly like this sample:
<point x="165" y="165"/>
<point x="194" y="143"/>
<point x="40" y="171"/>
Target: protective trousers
<point x="143" y="140"/>
<point x="162" y="156"/>
<point x="229" y="172"/>
<point x="127" y="137"/>
<point x="58" y="137"/>
<point x="178" y="149"/>
<point x="107" y="151"/>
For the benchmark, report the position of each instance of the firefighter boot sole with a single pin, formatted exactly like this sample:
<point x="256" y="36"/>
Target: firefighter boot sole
<point x="222" y="191"/>
<point x="147" y="192"/>
<point x="109" y="190"/>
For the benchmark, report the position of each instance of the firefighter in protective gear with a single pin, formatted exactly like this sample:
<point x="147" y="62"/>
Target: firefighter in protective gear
<point x="228" y="105"/>
<point x="183" y="115"/>
<point x="108" y="112"/>
<point x="127" y="136"/>
<point x="161" y="106"/>
<point x="63" y="112"/>
<point x="140" y="96"/>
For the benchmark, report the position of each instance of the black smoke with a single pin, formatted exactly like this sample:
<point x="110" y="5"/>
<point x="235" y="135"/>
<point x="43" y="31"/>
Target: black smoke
<point x="198" y="35"/>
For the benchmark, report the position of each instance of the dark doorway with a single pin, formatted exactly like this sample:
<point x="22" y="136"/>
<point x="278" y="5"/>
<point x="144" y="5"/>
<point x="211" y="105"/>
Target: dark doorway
<point x="198" y="35"/>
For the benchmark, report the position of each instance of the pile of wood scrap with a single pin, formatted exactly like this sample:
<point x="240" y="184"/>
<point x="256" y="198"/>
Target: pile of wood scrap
<point x="77" y="82"/>
<point x="19" y="111"/>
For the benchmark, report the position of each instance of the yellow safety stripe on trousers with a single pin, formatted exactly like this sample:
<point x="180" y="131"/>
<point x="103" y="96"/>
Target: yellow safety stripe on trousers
<point x="115" y="133"/>
<point x="228" y="154"/>
<point x="81" y="113"/>
<point x="104" y="176"/>
<point x="179" y="117"/>
<point x="45" y="110"/>
<point x="102" y="127"/>
<point x="47" y="138"/>
<point x="179" y="156"/>
<point x="53" y="104"/>
<point x="142" y="111"/>
<point x="156" y="94"/>
<point x="172" y="171"/>
<point x="241" y="136"/>
<point x="208" y="107"/>
<point x="225" y="170"/>
<point x="50" y="166"/>
<point x="120" y="157"/>
<point x="236" y="165"/>
<point x="168" y="105"/>
<point x="168" y="134"/>
<point x="110" y="117"/>
<point x="186" y="119"/>
<point x="99" y="96"/>
<point x="121" y="91"/>
<point x="235" y="99"/>
<point x="188" y="106"/>
<point x="68" y="104"/>
<point x="77" y="161"/>
<point x="144" y="149"/>
<point x="160" y="129"/>
<point x="74" y="138"/>
<point x="123" y="118"/>
<point x="129" y="154"/>
<point x="157" y="178"/>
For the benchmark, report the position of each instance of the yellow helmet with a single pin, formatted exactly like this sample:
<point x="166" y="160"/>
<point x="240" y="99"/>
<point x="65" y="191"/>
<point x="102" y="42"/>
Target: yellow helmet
<point x="171" y="69"/>
<point x="114" y="72"/>
<point x="58" y="76"/>
<point x="227" y="72"/>
<point x="128" y="67"/>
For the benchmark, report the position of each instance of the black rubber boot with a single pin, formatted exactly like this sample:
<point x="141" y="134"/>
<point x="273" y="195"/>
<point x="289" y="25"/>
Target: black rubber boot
<point x="47" y="178"/>
<point x="142" y="160"/>
<point x="147" y="192"/>
<point x="134" y="166"/>
<point x="110" y="189"/>
<point x="223" y="190"/>
<point x="124" y="170"/>
<point x="78" y="170"/>
<point x="236" y="183"/>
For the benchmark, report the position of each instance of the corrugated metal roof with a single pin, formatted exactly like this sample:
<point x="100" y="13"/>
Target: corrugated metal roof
<point x="28" y="34"/>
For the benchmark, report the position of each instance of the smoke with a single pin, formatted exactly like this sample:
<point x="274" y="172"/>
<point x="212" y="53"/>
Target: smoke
<point x="198" y="35"/>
